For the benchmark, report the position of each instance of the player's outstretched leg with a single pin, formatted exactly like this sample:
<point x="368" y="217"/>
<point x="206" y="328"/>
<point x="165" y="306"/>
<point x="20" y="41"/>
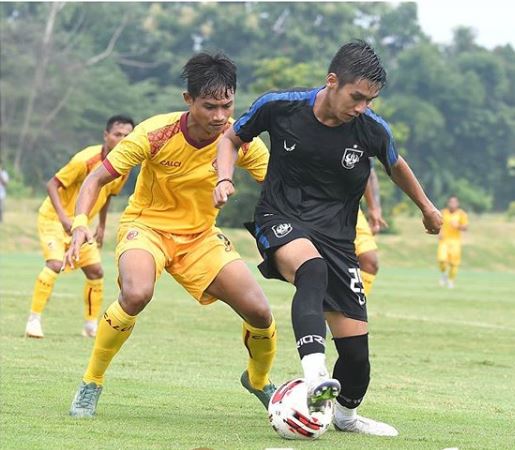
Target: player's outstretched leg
<point x="261" y="344"/>
<point x="310" y="330"/>
<point x="114" y="329"/>
<point x="353" y="370"/>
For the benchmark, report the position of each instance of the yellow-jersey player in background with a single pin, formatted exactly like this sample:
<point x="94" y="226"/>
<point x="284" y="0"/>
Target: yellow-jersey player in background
<point x="365" y="243"/>
<point x="169" y="225"/>
<point x="55" y="221"/>
<point x="455" y="220"/>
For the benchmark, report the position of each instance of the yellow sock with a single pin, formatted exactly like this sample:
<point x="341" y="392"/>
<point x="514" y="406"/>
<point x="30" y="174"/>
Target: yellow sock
<point x="443" y="266"/>
<point x="453" y="271"/>
<point x="114" y="329"/>
<point x="93" y="296"/>
<point x="262" y="346"/>
<point x="42" y="290"/>
<point x="368" y="280"/>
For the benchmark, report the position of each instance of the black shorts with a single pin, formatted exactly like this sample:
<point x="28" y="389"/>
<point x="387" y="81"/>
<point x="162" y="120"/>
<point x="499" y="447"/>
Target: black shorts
<point x="344" y="290"/>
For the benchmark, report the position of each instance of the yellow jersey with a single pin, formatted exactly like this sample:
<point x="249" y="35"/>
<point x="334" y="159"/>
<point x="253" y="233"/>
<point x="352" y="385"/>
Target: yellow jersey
<point x="71" y="177"/>
<point x="174" y="190"/>
<point x="450" y="221"/>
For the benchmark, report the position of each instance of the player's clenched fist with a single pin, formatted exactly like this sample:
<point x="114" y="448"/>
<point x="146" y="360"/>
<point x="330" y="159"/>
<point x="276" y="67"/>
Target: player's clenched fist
<point x="223" y="190"/>
<point x="432" y="221"/>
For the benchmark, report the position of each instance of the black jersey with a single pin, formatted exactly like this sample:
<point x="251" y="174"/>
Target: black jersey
<point x="316" y="174"/>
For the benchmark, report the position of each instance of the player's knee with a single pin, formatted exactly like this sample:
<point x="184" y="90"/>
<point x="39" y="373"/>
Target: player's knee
<point x="369" y="262"/>
<point x="312" y="273"/>
<point x="136" y="296"/>
<point x="94" y="272"/>
<point x="261" y="315"/>
<point x="54" y="265"/>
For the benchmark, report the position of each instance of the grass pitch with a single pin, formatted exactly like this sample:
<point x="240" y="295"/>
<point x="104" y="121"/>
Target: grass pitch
<point x="442" y="364"/>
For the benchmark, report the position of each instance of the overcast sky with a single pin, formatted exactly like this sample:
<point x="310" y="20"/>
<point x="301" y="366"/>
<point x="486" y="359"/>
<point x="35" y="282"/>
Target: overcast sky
<point x="493" y="20"/>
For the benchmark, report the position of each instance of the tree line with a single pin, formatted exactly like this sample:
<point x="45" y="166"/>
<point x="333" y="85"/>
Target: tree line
<point x="66" y="67"/>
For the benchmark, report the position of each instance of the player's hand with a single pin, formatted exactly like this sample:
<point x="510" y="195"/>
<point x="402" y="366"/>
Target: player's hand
<point x="376" y="220"/>
<point x="99" y="235"/>
<point x="66" y="222"/>
<point x="80" y="236"/>
<point x="223" y="190"/>
<point x="432" y="220"/>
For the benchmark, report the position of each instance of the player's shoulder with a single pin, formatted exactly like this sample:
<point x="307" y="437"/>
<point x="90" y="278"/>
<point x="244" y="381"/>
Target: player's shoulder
<point x="288" y="96"/>
<point x="375" y="123"/>
<point x="160" y="121"/>
<point x="88" y="153"/>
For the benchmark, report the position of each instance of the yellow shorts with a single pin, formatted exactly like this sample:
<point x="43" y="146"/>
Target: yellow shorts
<point x="365" y="241"/>
<point x="449" y="251"/>
<point x="194" y="260"/>
<point x="54" y="243"/>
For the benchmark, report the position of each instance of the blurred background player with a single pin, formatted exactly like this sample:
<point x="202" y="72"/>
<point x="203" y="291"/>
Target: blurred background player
<point x="365" y="243"/>
<point x="169" y="225"/>
<point x="4" y="181"/>
<point x="455" y="220"/>
<point x="55" y="221"/>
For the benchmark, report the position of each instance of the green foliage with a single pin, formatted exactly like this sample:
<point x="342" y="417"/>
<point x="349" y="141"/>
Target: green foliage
<point x="452" y="108"/>
<point x="511" y="211"/>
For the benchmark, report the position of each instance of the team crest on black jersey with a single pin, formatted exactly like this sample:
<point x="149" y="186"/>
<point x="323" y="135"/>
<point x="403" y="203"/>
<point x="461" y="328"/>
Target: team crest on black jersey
<point x="351" y="157"/>
<point x="282" y="229"/>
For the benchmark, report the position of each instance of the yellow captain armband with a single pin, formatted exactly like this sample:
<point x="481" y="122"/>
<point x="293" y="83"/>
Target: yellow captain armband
<point x="80" y="221"/>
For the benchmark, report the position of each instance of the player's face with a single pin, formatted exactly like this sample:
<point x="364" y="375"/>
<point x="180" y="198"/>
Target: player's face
<point x="117" y="132"/>
<point x="453" y="204"/>
<point x="350" y="100"/>
<point x="211" y="114"/>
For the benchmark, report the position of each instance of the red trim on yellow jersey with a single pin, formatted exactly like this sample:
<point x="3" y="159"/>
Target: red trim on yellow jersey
<point x="59" y="181"/>
<point x="110" y="168"/>
<point x="187" y="136"/>
<point x="158" y="138"/>
<point x="92" y="162"/>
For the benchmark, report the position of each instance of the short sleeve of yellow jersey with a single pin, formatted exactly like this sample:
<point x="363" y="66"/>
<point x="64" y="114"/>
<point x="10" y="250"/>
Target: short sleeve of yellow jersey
<point x="130" y="152"/>
<point x="72" y="171"/>
<point x="253" y="156"/>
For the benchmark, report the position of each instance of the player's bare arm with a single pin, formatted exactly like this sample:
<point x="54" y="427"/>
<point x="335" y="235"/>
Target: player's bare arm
<point x="52" y="188"/>
<point x="102" y="217"/>
<point x="375" y="214"/>
<point x="88" y="195"/>
<point x="402" y="176"/>
<point x="226" y="157"/>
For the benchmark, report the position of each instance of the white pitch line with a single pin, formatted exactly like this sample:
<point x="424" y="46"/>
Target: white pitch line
<point x="29" y="294"/>
<point x="446" y="322"/>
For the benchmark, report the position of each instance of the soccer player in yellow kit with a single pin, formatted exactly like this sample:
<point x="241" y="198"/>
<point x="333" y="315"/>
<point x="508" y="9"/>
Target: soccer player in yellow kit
<point x="365" y="243"/>
<point x="455" y="220"/>
<point x="55" y="220"/>
<point x="169" y="225"/>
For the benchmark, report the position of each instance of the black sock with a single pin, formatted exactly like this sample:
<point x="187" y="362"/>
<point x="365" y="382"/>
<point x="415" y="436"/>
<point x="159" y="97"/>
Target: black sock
<point x="352" y="369"/>
<point x="307" y="312"/>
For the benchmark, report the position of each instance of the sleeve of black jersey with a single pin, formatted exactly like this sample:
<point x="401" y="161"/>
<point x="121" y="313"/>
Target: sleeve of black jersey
<point x="256" y="120"/>
<point x="386" y="151"/>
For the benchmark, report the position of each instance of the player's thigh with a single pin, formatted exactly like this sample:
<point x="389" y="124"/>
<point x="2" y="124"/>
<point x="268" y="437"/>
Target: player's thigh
<point x="199" y="259"/>
<point x="141" y="260"/>
<point x="454" y="253"/>
<point x="236" y="286"/>
<point x="342" y="326"/>
<point x="442" y="253"/>
<point x="289" y="257"/>
<point x="52" y="239"/>
<point x="369" y="262"/>
<point x="89" y="256"/>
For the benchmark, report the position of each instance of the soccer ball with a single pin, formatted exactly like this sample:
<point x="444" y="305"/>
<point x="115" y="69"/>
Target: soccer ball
<point x="289" y="414"/>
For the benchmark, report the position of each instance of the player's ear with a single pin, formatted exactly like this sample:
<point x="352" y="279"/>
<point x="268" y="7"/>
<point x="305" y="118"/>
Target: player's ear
<point x="331" y="80"/>
<point x="187" y="98"/>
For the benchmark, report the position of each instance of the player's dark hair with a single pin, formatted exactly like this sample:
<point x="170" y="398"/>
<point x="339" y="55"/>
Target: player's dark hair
<point x="210" y="75"/>
<point x="357" y="60"/>
<point x="118" y="119"/>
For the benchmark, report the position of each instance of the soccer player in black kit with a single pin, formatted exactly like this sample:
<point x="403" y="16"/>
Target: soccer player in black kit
<point x="305" y="220"/>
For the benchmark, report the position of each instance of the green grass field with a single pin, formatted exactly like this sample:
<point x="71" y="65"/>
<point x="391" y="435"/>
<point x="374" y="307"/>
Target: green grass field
<point x="443" y="361"/>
